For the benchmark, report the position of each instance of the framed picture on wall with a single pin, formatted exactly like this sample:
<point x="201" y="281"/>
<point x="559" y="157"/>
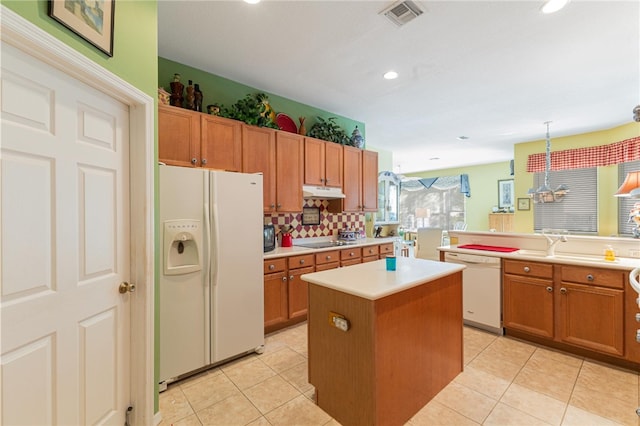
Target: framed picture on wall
<point x="505" y="193"/>
<point x="524" y="204"/>
<point x="91" y="20"/>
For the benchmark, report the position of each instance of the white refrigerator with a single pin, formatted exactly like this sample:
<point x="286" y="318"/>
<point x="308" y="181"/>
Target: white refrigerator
<point x="211" y="279"/>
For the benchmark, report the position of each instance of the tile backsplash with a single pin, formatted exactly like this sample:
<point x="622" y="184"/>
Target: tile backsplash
<point x="330" y="223"/>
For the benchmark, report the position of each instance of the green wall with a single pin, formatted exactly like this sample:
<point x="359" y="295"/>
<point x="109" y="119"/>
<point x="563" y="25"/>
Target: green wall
<point x="607" y="176"/>
<point x="135" y="54"/>
<point x="483" y="180"/>
<point x="226" y="92"/>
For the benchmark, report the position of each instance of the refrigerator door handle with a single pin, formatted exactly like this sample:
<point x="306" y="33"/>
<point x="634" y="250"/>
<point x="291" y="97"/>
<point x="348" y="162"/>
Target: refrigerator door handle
<point x="213" y="246"/>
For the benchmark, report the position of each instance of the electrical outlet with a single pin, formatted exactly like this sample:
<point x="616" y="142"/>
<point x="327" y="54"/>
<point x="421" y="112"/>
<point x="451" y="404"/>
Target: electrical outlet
<point x="338" y="321"/>
<point x="634" y="253"/>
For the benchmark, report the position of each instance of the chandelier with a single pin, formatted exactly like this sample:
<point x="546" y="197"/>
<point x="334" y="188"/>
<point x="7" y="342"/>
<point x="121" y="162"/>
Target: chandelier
<point x="544" y="194"/>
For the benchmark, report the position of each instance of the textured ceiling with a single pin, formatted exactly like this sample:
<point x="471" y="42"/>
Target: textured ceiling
<point x="493" y="71"/>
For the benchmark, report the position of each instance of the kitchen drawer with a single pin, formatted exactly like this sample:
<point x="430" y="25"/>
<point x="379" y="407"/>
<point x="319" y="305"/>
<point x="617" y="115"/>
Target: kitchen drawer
<point x="386" y="249"/>
<point x="370" y="251"/>
<point x="529" y="269"/>
<point x="301" y="261"/>
<point x="327" y="266"/>
<point x="275" y="265"/>
<point x="327" y="257"/>
<point x="350" y="262"/>
<point x="593" y="276"/>
<point x="369" y="258"/>
<point x="351" y="253"/>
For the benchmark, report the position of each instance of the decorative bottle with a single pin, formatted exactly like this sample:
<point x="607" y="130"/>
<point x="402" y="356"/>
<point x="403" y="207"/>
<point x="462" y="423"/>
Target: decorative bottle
<point x="198" y="98"/>
<point x="176" y="91"/>
<point x="302" y="130"/>
<point x="190" y="101"/>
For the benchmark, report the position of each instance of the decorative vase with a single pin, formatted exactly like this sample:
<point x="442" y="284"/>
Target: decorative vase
<point x="356" y="138"/>
<point x="190" y="100"/>
<point x="176" y="91"/>
<point x="302" y="130"/>
<point x="198" y="98"/>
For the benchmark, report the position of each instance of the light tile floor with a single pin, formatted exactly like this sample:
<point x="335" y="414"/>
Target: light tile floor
<point x="505" y="382"/>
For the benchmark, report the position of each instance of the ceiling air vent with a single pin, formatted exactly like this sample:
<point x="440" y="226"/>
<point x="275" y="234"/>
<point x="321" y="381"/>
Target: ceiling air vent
<point x="400" y="13"/>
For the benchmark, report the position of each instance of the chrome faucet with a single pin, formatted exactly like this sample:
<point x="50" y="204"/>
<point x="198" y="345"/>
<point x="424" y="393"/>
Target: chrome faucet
<point x="552" y="241"/>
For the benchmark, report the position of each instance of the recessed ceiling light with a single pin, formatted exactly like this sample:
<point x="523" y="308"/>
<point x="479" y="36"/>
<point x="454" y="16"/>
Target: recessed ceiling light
<point x="462" y="138"/>
<point x="252" y="1"/>
<point x="434" y="158"/>
<point x="390" y="75"/>
<point x="552" y="6"/>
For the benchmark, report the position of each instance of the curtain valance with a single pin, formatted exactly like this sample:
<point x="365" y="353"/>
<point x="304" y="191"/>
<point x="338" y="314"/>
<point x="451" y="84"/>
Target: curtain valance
<point x="441" y="183"/>
<point x="593" y="156"/>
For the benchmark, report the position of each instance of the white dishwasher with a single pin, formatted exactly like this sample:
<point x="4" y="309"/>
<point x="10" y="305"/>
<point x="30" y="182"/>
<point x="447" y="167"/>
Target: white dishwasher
<point x="481" y="290"/>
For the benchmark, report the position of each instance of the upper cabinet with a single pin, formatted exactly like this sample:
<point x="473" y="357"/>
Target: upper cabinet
<point x="192" y="139"/>
<point x="259" y="156"/>
<point x="322" y="163"/>
<point x="178" y="136"/>
<point x="289" y="172"/>
<point x="360" y="180"/>
<point x="221" y="143"/>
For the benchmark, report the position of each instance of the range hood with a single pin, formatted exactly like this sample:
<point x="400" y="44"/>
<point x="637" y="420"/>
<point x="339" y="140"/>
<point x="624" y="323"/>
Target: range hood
<point x="321" y="192"/>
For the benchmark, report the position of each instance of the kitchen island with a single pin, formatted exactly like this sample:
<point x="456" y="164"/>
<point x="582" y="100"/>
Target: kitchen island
<point x="383" y="343"/>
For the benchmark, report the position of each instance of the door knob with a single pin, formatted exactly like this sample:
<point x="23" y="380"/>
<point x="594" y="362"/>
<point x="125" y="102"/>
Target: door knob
<point x="125" y="287"/>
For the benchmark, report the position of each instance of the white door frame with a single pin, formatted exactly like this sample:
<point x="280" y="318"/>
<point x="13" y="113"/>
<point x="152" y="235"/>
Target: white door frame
<point x="39" y="44"/>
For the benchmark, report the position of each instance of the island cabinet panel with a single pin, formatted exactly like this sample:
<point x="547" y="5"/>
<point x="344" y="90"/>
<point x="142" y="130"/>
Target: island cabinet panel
<point x="632" y="324"/>
<point x="259" y="156"/>
<point x="398" y="353"/>
<point x="221" y="143"/>
<point x="178" y="136"/>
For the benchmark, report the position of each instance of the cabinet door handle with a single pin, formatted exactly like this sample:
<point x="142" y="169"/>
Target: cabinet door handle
<point x="328" y="257"/>
<point x="550" y="289"/>
<point x="326" y="181"/>
<point x="204" y="161"/>
<point x="290" y="277"/>
<point x="527" y="269"/>
<point x="284" y="279"/>
<point x="194" y="161"/>
<point x="279" y="205"/>
<point x="589" y="277"/>
<point x="563" y="290"/>
<point x="272" y="267"/>
<point x="272" y="205"/>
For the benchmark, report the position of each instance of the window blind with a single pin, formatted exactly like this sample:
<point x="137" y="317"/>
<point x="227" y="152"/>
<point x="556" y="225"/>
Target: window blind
<point x="578" y="211"/>
<point x="626" y="203"/>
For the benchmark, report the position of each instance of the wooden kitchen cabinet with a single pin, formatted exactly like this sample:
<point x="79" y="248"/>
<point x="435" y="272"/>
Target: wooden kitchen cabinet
<point x="579" y="306"/>
<point x="350" y="256"/>
<point x="370" y="253"/>
<point x="501" y="222"/>
<point x="193" y="139"/>
<point x="386" y="250"/>
<point x="327" y="260"/>
<point x="289" y="172"/>
<point x="275" y="292"/>
<point x="178" y="136"/>
<point x="221" y="143"/>
<point x="323" y="163"/>
<point x="259" y="156"/>
<point x="591" y="308"/>
<point x="298" y="294"/>
<point x="360" y="180"/>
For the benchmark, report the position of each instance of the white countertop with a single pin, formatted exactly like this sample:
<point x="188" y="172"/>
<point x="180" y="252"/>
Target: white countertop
<point x="623" y="263"/>
<point x="295" y="250"/>
<point x="372" y="281"/>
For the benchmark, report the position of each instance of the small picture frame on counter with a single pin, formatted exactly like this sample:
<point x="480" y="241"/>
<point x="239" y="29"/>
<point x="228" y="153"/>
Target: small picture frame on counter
<point x="524" y="204"/>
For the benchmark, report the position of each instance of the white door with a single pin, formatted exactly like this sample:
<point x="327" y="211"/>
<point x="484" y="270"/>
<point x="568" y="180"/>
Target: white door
<point x="65" y="248"/>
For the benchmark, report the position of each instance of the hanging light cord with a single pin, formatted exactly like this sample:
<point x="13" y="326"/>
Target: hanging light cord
<point x="547" y="158"/>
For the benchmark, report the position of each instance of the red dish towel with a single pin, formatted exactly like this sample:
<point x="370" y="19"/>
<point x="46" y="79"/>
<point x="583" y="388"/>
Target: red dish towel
<point x="488" y="248"/>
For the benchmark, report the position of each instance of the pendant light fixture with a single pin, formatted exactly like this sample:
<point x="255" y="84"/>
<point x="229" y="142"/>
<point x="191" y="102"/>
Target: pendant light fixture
<point x="631" y="185"/>
<point x="544" y="194"/>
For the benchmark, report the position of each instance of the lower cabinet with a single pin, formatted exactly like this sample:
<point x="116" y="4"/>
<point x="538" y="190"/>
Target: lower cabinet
<point x="578" y="306"/>
<point x="298" y="293"/>
<point x="275" y="292"/>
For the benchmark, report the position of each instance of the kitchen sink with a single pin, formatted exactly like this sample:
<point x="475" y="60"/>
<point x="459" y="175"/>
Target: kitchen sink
<point x="326" y="244"/>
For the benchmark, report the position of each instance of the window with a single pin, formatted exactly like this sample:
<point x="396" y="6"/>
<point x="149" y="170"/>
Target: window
<point x="626" y="203"/>
<point x="439" y="206"/>
<point x="578" y="210"/>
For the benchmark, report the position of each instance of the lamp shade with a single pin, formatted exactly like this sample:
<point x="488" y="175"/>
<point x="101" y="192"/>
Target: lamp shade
<point x="631" y="182"/>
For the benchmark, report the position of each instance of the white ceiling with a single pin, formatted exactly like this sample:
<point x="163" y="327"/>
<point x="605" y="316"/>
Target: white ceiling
<point x="494" y="71"/>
